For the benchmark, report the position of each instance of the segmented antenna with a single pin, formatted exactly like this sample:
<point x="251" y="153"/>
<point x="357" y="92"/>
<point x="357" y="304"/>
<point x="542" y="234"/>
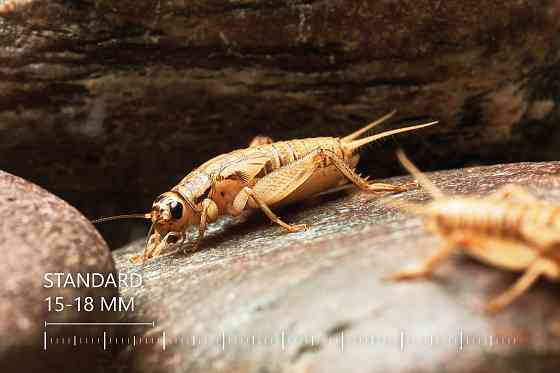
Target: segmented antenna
<point x="418" y="175"/>
<point x="126" y="216"/>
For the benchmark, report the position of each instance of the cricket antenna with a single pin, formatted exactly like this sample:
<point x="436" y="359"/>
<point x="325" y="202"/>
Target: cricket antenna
<point x="418" y="175"/>
<point x="126" y="216"/>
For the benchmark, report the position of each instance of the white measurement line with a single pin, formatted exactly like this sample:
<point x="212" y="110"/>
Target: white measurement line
<point x="163" y="341"/>
<point x="100" y="323"/>
<point x="45" y="340"/>
<point x="104" y="341"/>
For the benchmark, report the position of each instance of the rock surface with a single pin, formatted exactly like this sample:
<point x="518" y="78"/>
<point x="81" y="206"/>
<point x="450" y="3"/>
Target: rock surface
<point x="122" y="98"/>
<point x="43" y="234"/>
<point x="314" y="301"/>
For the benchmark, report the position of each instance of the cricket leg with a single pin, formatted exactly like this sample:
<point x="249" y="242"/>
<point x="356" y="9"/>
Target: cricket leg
<point x="247" y="193"/>
<point x="260" y="140"/>
<point x="274" y="187"/>
<point x="164" y="244"/>
<point x="209" y="213"/>
<point x="538" y="268"/>
<point x="151" y="245"/>
<point x="429" y="266"/>
<point x="154" y="249"/>
<point x="362" y="183"/>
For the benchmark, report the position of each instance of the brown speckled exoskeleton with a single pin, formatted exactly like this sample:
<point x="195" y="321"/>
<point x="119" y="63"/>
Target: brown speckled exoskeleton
<point x="508" y="229"/>
<point x="266" y="174"/>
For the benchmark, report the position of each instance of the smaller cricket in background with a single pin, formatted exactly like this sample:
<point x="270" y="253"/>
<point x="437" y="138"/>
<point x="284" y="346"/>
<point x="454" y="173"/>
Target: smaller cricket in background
<point x="508" y="229"/>
<point x="266" y="174"/>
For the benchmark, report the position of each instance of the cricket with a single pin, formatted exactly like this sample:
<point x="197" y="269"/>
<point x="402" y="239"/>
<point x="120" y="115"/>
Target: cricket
<point x="264" y="175"/>
<point x="509" y="229"/>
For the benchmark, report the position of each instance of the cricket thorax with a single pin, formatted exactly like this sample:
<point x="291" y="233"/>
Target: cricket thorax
<point x="194" y="187"/>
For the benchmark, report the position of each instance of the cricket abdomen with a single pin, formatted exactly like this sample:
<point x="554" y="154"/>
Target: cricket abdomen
<point x="501" y="219"/>
<point x="506" y="219"/>
<point x="283" y="153"/>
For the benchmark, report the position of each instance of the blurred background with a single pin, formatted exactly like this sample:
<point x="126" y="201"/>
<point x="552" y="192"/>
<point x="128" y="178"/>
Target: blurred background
<point x="108" y="103"/>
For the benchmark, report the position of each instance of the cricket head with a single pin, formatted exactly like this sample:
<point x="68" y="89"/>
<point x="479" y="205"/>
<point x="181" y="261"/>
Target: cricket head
<point x="171" y="212"/>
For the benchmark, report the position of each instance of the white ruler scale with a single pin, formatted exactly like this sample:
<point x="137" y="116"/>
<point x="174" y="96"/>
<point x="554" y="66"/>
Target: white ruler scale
<point x="104" y="340"/>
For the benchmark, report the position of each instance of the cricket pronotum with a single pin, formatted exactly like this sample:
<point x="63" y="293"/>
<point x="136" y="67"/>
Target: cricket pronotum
<point x="266" y="174"/>
<point x="508" y="229"/>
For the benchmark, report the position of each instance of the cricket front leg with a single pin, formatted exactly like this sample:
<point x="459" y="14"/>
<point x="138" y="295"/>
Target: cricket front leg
<point x="208" y="214"/>
<point x="154" y="241"/>
<point x="164" y="244"/>
<point x="155" y="246"/>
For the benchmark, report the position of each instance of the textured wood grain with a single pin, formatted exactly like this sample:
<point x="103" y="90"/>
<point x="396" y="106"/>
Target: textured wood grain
<point x="252" y="279"/>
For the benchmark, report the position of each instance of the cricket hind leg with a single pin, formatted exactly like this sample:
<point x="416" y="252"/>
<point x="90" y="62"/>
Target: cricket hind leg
<point x="359" y="181"/>
<point x="539" y="268"/>
<point x="274" y="188"/>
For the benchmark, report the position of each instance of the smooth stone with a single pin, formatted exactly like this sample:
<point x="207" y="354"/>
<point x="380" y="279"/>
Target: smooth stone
<point x="40" y="233"/>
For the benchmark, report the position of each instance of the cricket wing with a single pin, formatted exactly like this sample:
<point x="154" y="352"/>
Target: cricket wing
<point x="245" y="166"/>
<point x="276" y="186"/>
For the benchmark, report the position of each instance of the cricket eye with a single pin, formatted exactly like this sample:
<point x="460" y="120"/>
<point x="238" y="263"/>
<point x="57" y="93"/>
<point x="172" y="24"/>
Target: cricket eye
<point x="176" y="209"/>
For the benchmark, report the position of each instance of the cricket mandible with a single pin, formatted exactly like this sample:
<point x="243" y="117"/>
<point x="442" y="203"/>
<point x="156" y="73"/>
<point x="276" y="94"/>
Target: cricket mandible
<point x="508" y="229"/>
<point x="266" y="174"/>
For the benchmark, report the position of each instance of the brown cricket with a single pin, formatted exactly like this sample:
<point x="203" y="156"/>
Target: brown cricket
<point x="509" y="229"/>
<point x="266" y="174"/>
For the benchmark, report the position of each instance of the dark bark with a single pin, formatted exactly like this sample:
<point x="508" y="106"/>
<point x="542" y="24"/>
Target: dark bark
<point x="108" y="103"/>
